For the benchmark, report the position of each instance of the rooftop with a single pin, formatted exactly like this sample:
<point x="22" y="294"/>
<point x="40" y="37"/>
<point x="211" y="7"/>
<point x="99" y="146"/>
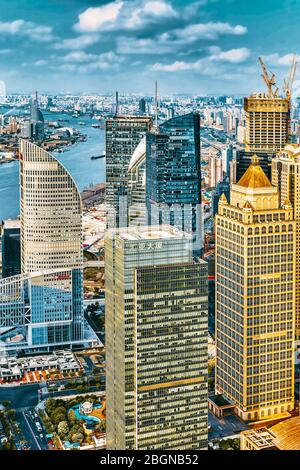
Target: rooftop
<point x="9" y="223"/>
<point x="287" y="434"/>
<point x="255" y="177"/>
<point x="151" y="233"/>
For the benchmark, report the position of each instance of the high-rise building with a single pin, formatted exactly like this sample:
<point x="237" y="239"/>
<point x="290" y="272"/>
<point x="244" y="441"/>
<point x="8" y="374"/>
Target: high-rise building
<point x="142" y="106"/>
<point x="11" y="252"/>
<point x="36" y="120"/>
<point x="51" y="256"/>
<point x="267" y="123"/>
<point x="286" y="176"/>
<point x="173" y="176"/>
<point x="137" y="186"/>
<point x="156" y="340"/>
<point x="123" y="134"/>
<point x="255" y="297"/>
<point x="51" y="213"/>
<point x="41" y="311"/>
<point x="267" y="130"/>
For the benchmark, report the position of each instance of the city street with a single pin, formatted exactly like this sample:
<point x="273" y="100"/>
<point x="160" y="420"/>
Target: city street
<point x="20" y="396"/>
<point x="30" y="431"/>
<point x="228" y="426"/>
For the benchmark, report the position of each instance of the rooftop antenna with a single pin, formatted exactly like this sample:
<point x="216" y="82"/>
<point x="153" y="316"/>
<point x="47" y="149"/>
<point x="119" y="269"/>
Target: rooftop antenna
<point x="117" y="103"/>
<point x="156" y="104"/>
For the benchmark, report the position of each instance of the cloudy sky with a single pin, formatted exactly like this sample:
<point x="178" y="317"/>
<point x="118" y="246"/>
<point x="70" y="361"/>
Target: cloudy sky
<point x="195" y="46"/>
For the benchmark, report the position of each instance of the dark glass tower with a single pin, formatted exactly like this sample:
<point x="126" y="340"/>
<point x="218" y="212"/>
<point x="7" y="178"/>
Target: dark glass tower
<point x="173" y="176"/>
<point x="11" y="251"/>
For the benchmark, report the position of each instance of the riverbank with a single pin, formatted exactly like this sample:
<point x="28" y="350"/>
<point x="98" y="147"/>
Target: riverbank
<point x="77" y="160"/>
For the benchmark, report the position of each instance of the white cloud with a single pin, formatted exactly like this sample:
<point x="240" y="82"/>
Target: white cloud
<point x="151" y="10"/>
<point x="126" y="45"/>
<point x="94" y="18"/>
<point x="205" y="65"/>
<point x="21" y="27"/>
<point x="78" y="56"/>
<point x="40" y="63"/>
<point x="174" y="40"/>
<point x="276" y="59"/>
<point x="209" y="31"/>
<point x="80" y="61"/>
<point x="234" y="56"/>
<point x="79" y="42"/>
<point x="175" y="67"/>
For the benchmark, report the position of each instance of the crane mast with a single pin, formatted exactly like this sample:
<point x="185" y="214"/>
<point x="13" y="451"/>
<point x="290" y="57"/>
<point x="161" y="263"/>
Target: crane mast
<point x="288" y="83"/>
<point x="269" y="80"/>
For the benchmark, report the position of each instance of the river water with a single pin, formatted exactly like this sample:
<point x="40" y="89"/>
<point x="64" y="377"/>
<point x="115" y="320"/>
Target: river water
<point x="77" y="160"/>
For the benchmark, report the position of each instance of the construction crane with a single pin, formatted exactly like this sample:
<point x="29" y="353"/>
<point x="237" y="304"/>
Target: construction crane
<point x="288" y="83"/>
<point x="269" y="80"/>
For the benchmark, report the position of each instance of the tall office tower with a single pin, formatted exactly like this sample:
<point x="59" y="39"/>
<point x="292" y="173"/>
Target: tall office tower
<point x="36" y="120"/>
<point x="267" y="123"/>
<point x="142" y="106"/>
<point x="51" y="213"/>
<point x="40" y="311"/>
<point x="123" y="134"/>
<point x="156" y="340"/>
<point x="51" y="242"/>
<point x="173" y="176"/>
<point x="255" y="301"/>
<point x="286" y="176"/>
<point x="137" y="186"/>
<point x="11" y="253"/>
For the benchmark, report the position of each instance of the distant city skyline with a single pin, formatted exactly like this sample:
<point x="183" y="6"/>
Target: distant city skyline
<point x="189" y="46"/>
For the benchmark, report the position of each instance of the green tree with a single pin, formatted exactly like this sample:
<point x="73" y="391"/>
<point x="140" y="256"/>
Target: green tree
<point x="6" y="403"/>
<point x="78" y="437"/>
<point x="62" y="429"/>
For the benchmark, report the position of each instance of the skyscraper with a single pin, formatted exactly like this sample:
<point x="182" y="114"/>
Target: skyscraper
<point x="173" y="176"/>
<point x="51" y="285"/>
<point x="156" y="340"/>
<point x="51" y="213"/>
<point x="286" y="176"/>
<point x="11" y="252"/>
<point x="41" y="311"/>
<point x="255" y="304"/>
<point x="142" y="106"/>
<point x="123" y="134"/>
<point x="36" y="120"/>
<point x="267" y="123"/>
<point x="137" y="186"/>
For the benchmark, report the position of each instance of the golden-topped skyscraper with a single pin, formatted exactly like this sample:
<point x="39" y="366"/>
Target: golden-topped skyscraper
<point x="255" y="297"/>
<point x="286" y="176"/>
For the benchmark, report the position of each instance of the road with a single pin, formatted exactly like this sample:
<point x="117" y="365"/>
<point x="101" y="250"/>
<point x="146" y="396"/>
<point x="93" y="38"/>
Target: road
<point x="228" y="426"/>
<point x="20" y="396"/>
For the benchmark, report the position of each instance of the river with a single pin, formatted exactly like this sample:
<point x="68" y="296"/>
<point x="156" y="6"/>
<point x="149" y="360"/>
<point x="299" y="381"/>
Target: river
<point x="77" y="160"/>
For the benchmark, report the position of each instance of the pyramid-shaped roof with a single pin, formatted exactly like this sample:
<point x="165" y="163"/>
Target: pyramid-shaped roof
<point x="255" y="176"/>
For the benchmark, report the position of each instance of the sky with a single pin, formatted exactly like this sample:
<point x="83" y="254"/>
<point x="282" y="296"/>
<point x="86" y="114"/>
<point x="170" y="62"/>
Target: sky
<point x="189" y="46"/>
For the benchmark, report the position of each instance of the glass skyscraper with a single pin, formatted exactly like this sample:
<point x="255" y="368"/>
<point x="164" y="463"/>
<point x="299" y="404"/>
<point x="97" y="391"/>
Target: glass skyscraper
<point x="43" y="307"/>
<point x="123" y="134"/>
<point x="156" y="340"/>
<point x="173" y="176"/>
<point x="40" y="311"/>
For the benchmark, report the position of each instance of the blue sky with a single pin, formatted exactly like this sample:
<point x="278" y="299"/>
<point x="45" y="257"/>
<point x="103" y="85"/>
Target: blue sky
<point x="189" y="46"/>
